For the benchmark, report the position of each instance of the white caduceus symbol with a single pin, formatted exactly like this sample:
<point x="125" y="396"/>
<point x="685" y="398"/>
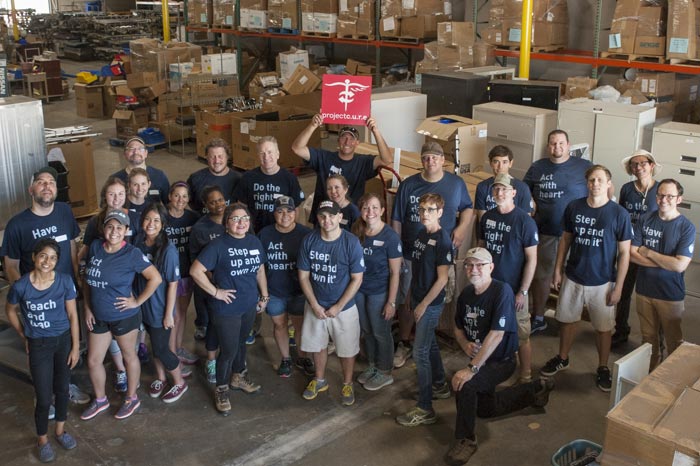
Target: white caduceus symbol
<point x="351" y="88"/>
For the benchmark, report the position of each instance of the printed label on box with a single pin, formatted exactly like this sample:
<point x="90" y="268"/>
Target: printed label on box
<point x="514" y="35"/>
<point x="549" y="16"/>
<point x="203" y="17"/>
<point x="287" y="23"/>
<point x="244" y="127"/>
<point x="303" y="80"/>
<point x="389" y="23"/>
<point x="229" y="19"/>
<point x="448" y="27"/>
<point x="447" y="8"/>
<point x="483" y="133"/>
<point x="408" y="4"/>
<point x="681" y="459"/>
<point x="614" y="41"/>
<point x="678" y="45"/>
<point x="343" y="5"/>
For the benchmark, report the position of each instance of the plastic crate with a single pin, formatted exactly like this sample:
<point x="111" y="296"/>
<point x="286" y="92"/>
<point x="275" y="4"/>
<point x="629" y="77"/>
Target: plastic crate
<point x="573" y="451"/>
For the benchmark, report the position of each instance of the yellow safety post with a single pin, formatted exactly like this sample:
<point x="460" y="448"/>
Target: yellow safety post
<point x="525" y="40"/>
<point x="166" y="20"/>
<point x="15" y="27"/>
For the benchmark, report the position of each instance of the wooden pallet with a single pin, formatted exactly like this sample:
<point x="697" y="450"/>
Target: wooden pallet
<point x="284" y="31"/>
<point x="256" y="30"/>
<point x="223" y="26"/>
<point x="535" y="48"/>
<point x="684" y="61"/>
<point x="633" y="57"/>
<point x="403" y="39"/>
<point x="327" y="35"/>
<point x="357" y="37"/>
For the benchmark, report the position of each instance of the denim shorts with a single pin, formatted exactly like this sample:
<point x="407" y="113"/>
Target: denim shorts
<point x="293" y="305"/>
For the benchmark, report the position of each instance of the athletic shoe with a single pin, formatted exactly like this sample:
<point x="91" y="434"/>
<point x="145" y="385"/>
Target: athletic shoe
<point x="314" y="388"/>
<point x="441" y="392"/>
<point x="46" y="453"/>
<point x="603" y="380"/>
<point x="307" y="365"/>
<point x="185" y="370"/>
<point x="144" y="357"/>
<point x="67" y="441"/>
<point x="200" y="332"/>
<point x="554" y="365"/>
<point x="211" y="371"/>
<point x="94" y="409"/>
<point x="77" y="396"/>
<point x="285" y="369"/>
<point x="461" y="452"/>
<point x="223" y="402"/>
<point x="366" y="375"/>
<point x="331" y="348"/>
<point x="417" y="416"/>
<point x="175" y="393"/>
<point x="379" y="380"/>
<point x="251" y="338"/>
<point x="242" y="382"/>
<point x="186" y="357"/>
<point x="542" y="395"/>
<point x="128" y="408"/>
<point x="291" y="333"/>
<point x="120" y="384"/>
<point x="347" y="395"/>
<point x="619" y="339"/>
<point x="52" y="412"/>
<point x="156" y="388"/>
<point x="537" y="325"/>
<point x="403" y="352"/>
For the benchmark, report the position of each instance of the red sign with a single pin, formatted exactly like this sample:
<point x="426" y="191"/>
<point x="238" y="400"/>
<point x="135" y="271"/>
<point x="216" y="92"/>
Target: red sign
<point x="346" y="100"/>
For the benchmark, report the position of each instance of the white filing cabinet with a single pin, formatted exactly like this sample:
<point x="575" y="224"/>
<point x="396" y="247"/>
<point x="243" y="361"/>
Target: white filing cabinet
<point x="523" y="129"/>
<point x="398" y="114"/>
<point x="613" y="131"/>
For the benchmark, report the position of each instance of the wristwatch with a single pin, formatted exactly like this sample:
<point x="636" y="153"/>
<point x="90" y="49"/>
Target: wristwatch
<point x="523" y="292"/>
<point x="473" y="368"/>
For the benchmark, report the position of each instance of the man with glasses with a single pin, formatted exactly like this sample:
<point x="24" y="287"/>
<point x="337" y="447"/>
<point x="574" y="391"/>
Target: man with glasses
<point x="406" y="221"/>
<point x="356" y="168"/>
<point x="662" y="247"/>
<point x="217" y="173"/>
<point x="486" y="331"/>
<point x="510" y="235"/>
<point x="136" y="153"/>
<point x="596" y="239"/>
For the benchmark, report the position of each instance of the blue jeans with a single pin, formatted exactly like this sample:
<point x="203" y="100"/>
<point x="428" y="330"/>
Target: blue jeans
<point x="426" y="355"/>
<point x="231" y="332"/>
<point x="379" y="343"/>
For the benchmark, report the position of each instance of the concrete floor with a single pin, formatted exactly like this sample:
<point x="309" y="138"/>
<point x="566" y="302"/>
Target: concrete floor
<point x="278" y="427"/>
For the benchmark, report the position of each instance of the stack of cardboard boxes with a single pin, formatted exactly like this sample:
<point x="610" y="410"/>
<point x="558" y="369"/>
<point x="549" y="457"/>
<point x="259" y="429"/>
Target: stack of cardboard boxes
<point x="416" y="19"/>
<point x="319" y="17"/>
<point x="686" y="97"/>
<point x="200" y="12"/>
<point x="253" y="15"/>
<point x="455" y="49"/>
<point x="224" y="13"/>
<point x="683" y="26"/>
<point x="550" y="23"/>
<point x="638" y="27"/>
<point x="283" y="14"/>
<point x="356" y="19"/>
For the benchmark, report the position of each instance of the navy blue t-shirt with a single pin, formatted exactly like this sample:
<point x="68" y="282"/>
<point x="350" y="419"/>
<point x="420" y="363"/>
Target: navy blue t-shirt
<point x="178" y="230"/>
<point x="638" y="203"/>
<point x="484" y="197"/>
<point x="203" y="178"/>
<point x="553" y="186"/>
<point x="160" y="186"/>
<point x="259" y="191"/>
<point x="350" y="214"/>
<point x="330" y="264"/>
<point x="281" y="267"/>
<point x="494" y="309"/>
<point x="234" y="264"/>
<point x="43" y="311"/>
<point x="672" y="238"/>
<point x="202" y="233"/>
<point x="596" y="232"/>
<point x="356" y="171"/>
<point x="452" y="189"/>
<point x="111" y="276"/>
<point x="153" y="310"/>
<point x="506" y="237"/>
<point x="430" y="250"/>
<point x="26" y="228"/>
<point x="378" y="250"/>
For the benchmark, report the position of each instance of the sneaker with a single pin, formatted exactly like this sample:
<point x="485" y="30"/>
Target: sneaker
<point x="185" y="370"/>
<point x="619" y="339"/>
<point x="156" y="388"/>
<point x="347" y="395"/>
<point x="554" y="365"/>
<point x="175" y="393"/>
<point x="52" y="412"/>
<point x="120" y="384"/>
<point x="314" y="388"/>
<point x="307" y="365"/>
<point x="46" y="453"/>
<point x="379" y="380"/>
<point x="128" y="408"/>
<point x="403" y="352"/>
<point x="417" y="416"/>
<point x="77" y="396"/>
<point x="211" y="371"/>
<point x="94" y="409"/>
<point x="243" y="382"/>
<point x="251" y="338"/>
<point x="144" y="357"/>
<point x="67" y="441"/>
<point x="366" y="375"/>
<point x="285" y="369"/>
<point x="331" y="348"/>
<point x="603" y="380"/>
<point x="221" y="397"/>
<point x="186" y="357"/>
<point x="461" y="452"/>
<point x="542" y="395"/>
<point x="537" y="325"/>
<point x="200" y="332"/>
<point x="441" y="391"/>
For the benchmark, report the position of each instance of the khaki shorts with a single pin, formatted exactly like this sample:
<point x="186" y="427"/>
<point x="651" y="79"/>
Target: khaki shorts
<point x="572" y="298"/>
<point x="523" y="318"/>
<point x="546" y="257"/>
<point x="343" y="328"/>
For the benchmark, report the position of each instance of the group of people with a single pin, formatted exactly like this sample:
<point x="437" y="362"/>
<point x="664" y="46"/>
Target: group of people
<point x="234" y="242"/>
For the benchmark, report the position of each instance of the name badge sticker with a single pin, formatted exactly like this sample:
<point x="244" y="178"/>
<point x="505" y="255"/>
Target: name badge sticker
<point x="60" y="238"/>
<point x="154" y="192"/>
<point x="377" y="242"/>
<point x="254" y="252"/>
<point x="431" y="242"/>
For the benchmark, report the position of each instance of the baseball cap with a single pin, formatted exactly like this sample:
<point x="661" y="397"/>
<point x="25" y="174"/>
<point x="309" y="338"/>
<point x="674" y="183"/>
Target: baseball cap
<point x="641" y="153"/>
<point x="50" y="170"/>
<point x="329" y="206"/>
<point x="504" y="179"/>
<point x="431" y="148"/>
<point x="132" y="139"/>
<point x="117" y="215"/>
<point x="284" y="202"/>
<point x="479" y="253"/>
<point x="349" y="129"/>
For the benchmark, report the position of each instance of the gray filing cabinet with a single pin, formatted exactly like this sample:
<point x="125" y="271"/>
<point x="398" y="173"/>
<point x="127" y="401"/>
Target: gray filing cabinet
<point x="523" y="129"/>
<point x="613" y="131"/>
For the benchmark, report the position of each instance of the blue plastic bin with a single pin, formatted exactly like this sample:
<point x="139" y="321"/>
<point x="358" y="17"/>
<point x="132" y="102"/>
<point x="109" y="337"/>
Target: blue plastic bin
<point x="573" y="451"/>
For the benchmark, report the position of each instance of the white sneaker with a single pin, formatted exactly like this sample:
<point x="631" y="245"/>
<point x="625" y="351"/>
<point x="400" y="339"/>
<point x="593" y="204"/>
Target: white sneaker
<point x="77" y="396"/>
<point x="402" y="354"/>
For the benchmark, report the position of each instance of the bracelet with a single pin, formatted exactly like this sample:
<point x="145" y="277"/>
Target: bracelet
<point x="263" y="299"/>
<point x="216" y="290"/>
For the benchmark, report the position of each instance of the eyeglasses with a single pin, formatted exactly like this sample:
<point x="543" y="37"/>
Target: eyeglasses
<point x="134" y="149"/>
<point x="475" y="265"/>
<point x="668" y="197"/>
<point x="639" y="164"/>
<point x="500" y="188"/>
<point x="242" y="218"/>
<point x="430" y="210"/>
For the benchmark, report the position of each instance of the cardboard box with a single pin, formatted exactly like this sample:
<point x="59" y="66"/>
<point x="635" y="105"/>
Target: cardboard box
<point x="224" y="13"/>
<point x="253" y="19"/>
<point x="622" y="36"/>
<point x="130" y="121"/>
<point x="455" y="33"/>
<point x="686" y="89"/>
<point x="425" y="7"/>
<point x="484" y="54"/>
<point x="200" y="13"/>
<point x="309" y="102"/>
<point x="290" y="60"/>
<point x="472" y="139"/>
<point x="390" y="26"/>
<point x="302" y="81"/>
<point x="109" y="97"/>
<point x="652" y="21"/>
<point x="656" y="422"/>
<point x="154" y="91"/>
<point x="220" y="63"/>
<point x="448" y="57"/>
<point x="210" y="125"/>
<point x="681" y="30"/>
<point x="173" y="131"/>
<point x="656" y="84"/>
<point x="88" y="100"/>
<point x="388" y="7"/>
<point x="650" y="46"/>
<point x="324" y="6"/>
<point x="421" y="26"/>
<point x="81" y="176"/>
<point x="578" y="86"/>
<point x="282" y="14"/>
<point x="141" y="79"/>
<point x="493" y="36"/>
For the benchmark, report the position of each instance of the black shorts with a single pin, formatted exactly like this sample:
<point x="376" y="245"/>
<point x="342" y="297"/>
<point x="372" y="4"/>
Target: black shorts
<point x="118" y="327"/>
